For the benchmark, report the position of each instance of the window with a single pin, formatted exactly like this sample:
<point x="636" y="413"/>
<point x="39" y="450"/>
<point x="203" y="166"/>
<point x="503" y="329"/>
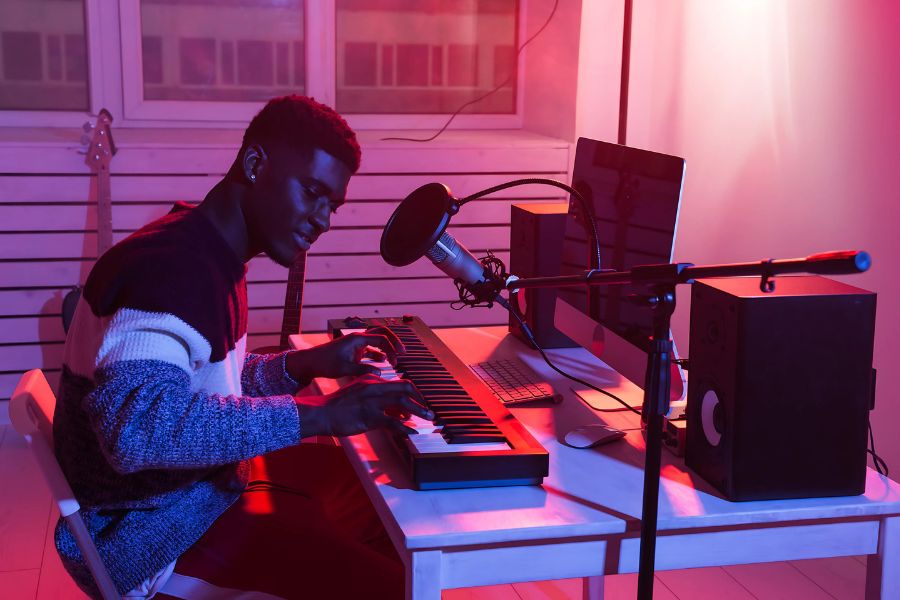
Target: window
<point x="382" y="63"/>
<point x="424" y="56"/>
<point x="43" y="55"/>
<point x="221" y="50"/>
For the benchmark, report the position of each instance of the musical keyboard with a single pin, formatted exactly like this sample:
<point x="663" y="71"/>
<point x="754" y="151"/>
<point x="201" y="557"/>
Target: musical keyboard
<point x="475" y="441"/>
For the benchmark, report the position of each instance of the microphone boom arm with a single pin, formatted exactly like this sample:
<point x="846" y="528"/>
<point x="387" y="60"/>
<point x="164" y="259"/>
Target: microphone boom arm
<point x="844" y="262"/>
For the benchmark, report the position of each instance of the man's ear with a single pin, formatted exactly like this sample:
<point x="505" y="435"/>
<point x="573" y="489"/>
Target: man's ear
<point x="254" y="162"/>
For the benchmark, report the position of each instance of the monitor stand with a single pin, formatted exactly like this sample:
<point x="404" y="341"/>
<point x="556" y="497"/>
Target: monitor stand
<point x="624" y="357"/>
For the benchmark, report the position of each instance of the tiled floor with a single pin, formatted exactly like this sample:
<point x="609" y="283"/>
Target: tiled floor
<point x="30" y="569"/>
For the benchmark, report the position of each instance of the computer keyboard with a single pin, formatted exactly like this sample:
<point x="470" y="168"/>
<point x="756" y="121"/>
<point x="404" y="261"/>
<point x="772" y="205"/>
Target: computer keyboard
<point x="513" y="383"/>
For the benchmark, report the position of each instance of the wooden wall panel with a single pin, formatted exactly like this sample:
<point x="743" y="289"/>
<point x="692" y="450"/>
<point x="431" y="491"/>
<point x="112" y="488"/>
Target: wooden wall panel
<point x="45" y="187"/>
<point x="48" y="238"/>
<point x="58" y="274"/>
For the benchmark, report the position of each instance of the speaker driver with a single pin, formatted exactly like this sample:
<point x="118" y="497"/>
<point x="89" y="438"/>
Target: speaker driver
<point x="711" y="417"/>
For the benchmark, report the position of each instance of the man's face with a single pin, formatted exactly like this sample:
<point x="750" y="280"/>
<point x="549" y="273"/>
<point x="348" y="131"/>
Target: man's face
<point x="292" y="202"/>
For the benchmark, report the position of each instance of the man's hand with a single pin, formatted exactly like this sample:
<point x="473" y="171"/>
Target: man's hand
<point x="366" y="403"/>
<point x="341" y="357"/>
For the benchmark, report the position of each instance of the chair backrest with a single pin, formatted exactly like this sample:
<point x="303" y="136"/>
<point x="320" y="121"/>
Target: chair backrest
<point x="31" y="413"/>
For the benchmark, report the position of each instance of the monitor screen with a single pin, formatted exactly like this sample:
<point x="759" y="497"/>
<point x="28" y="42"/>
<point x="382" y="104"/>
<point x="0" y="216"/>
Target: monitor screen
<point x="634" y="196"/>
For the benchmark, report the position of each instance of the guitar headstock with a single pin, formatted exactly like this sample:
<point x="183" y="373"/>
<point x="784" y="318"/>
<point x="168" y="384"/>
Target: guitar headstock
<point x="101" y="147"/>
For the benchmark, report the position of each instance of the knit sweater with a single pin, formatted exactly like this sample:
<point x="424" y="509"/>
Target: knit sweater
<point x="160" y="405"/>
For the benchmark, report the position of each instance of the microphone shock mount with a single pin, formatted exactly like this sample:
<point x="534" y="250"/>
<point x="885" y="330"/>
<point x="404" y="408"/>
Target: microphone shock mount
<point x="485" y="292"/>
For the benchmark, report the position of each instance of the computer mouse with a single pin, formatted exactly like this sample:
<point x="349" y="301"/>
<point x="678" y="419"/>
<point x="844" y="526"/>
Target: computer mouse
<point x="589" y="436"/>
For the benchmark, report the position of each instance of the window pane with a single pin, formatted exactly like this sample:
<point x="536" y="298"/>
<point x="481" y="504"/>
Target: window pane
<point x="43" y="55"/>
<point x="226" y="50"/>
<point x="425" y="56"/>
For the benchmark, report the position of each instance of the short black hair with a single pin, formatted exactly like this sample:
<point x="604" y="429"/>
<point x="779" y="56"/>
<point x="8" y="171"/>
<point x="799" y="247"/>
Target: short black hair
<point x="305" y="124"/>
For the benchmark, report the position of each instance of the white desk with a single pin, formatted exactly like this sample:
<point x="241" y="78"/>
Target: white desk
<point x="585" y="519"/>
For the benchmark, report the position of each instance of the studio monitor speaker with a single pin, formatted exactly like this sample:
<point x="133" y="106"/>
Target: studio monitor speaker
<point x="779" y="387"/>
<point x="536" y="237"/>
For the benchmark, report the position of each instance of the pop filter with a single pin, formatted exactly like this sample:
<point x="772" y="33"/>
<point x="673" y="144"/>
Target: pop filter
<point x="417" y="224"/>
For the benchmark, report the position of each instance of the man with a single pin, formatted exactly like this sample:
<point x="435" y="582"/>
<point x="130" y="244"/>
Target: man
<point x="161" y="409"/>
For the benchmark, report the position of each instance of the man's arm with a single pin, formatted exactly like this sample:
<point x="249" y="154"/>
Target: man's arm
<point x="146" y="417"/>
<point x="267" y="375"/>
<point x="151" y="407"/>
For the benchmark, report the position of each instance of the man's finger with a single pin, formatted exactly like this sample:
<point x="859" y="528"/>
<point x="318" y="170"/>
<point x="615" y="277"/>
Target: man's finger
<point x="359" y="369"/>
<point x="395" y="402"/>
<point x="362" y="382"/>
<point x="365" y="341"/>
<point x="385" y="339"/>
<point x="391" y="336"/>
<point x="373" y="353"/>
<point x="408" y="404"/>
<point x="395" y="387"/>
<point x="397" y="413"/>
<point x="398" y="427"/>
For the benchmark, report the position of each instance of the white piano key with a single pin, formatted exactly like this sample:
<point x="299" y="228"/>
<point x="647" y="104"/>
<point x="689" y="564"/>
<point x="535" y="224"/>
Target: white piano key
<point x="429" y="440"/>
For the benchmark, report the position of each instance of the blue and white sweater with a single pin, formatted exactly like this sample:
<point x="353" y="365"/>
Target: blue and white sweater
<point x="159" y="405"/>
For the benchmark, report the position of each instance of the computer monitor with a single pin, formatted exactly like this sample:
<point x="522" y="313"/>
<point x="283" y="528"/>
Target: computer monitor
<point x="634" y="196"/>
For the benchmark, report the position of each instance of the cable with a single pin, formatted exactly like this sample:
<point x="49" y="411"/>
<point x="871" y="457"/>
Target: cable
<point x="879" y="463"/>
<point x="483" y="96"/>
<point x="527" y="330"/>
<point x="585" y="207"/>
<point x="262" y="485"/>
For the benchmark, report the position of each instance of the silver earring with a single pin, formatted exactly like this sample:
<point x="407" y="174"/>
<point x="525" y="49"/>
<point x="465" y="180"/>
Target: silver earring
<point x="252" y="177"/>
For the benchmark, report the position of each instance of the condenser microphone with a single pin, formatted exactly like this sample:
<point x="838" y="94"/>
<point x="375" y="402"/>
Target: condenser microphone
<point x="418" y="228"/>
<point x="471" y="275"/>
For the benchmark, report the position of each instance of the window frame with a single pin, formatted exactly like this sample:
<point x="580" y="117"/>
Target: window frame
<point x="321" y="83"/>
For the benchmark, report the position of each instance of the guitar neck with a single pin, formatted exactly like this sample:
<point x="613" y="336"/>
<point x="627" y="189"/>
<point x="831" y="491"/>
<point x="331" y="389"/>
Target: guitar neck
<point x="293" y="300"/>
<point x="104" y="211"/>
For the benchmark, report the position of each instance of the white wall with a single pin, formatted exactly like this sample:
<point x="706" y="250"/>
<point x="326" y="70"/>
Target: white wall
<point x="788" y="114"/>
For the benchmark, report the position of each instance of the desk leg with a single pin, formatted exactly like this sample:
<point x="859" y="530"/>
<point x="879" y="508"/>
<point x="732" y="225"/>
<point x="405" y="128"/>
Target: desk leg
<point x="423" y="575"/>
<point x="593" y="587"/>
<point x="883" y="569"/>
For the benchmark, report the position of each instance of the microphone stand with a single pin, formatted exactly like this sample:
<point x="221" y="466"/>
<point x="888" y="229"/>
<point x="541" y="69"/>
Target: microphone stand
<point x="662" y="280"/>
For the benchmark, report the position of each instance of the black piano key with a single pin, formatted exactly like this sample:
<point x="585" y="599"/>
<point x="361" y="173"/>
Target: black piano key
<point x="441" y="411"/>
<point x="448" y="401"/>
<point x="467" y="420"/>
<point x="444" y="405"/>
<point x="450" y="433"/>
<point x="440" y="400"/>
<point x="464" y="411"/>
<point x="474" y="438"/>
<point x="471" y="411"/>
<point x="455" y="406"/>
<point x="487" y="427"/>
